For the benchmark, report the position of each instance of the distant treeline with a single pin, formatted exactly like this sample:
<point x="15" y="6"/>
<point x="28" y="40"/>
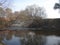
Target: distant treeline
<point x="46" y="24"/>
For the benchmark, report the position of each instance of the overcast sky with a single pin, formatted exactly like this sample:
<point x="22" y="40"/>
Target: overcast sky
<point x="47" y="4"/>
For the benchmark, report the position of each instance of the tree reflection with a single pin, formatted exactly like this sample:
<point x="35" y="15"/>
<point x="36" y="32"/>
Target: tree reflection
<point x="31" y="39"/>
<point x="1" y="43"/>
<point x="9" y="36"/>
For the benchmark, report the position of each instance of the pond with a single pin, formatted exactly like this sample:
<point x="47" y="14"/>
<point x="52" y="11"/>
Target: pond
<point x="30" y="38"/>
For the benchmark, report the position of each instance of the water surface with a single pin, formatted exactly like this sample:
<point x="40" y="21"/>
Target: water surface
<point x="24" y="38"/>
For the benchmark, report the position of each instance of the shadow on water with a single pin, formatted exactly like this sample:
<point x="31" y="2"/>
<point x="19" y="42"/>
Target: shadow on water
<point x="27" y="38"/>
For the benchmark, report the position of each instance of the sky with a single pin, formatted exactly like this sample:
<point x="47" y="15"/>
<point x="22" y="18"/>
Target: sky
<point x="47" y="4"/>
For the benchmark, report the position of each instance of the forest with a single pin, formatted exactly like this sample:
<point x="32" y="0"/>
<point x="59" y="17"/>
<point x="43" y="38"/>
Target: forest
<point x="32" y="17"/>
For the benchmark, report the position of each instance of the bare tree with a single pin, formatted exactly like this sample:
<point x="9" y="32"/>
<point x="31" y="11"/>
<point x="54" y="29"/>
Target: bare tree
<point x="35" y="10"/>
<point x="37" y="13"/>
<point x="5" y="3"/>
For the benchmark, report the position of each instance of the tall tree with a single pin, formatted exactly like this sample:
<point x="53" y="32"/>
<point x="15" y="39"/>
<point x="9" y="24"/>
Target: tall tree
<point x="37" y="14"/>
<point x="35" y="10"/>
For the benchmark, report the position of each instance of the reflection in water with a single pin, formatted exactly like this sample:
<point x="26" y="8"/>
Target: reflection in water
<point x="13" y="41"/>
<point x="21" y="38"/>
<point x="53" y="40"/>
